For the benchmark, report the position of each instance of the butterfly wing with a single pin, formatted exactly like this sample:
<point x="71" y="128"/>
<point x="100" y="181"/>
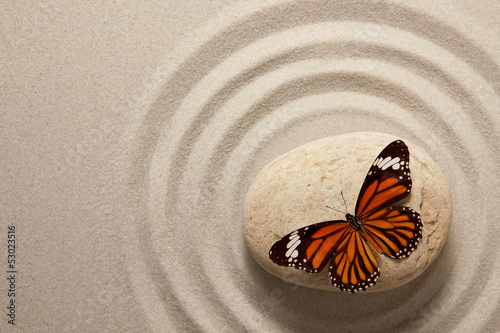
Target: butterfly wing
<point x="354" y="267"/>
<point x="394" y="231"/>
<point x="387" y="181"/>
<point x="311" y="247"/>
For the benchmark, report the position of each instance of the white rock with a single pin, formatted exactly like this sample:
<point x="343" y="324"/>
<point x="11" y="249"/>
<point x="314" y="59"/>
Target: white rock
<point x="293" y="191"/>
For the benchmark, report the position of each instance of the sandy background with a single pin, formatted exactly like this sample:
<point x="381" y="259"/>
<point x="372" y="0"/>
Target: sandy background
<point x="130" y="133"/>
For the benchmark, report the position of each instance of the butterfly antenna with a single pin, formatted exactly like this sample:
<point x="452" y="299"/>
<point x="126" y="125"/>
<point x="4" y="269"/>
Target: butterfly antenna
<point x="336" y="210"/>
<point x="345" y="205"/>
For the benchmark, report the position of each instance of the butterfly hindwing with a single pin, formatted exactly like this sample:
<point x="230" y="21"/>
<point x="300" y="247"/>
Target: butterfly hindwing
<point x="311" y="247"/>
<point x="387" y="181"/>
<point x="353" y="267"/>
<point x="394" y="231"/>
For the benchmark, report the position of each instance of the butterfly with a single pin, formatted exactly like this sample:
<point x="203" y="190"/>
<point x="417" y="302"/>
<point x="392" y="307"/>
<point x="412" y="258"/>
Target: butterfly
<point x="392" y="230"/>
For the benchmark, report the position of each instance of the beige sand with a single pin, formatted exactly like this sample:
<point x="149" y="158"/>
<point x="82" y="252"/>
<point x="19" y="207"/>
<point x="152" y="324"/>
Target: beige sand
<point x="130" y="133"/>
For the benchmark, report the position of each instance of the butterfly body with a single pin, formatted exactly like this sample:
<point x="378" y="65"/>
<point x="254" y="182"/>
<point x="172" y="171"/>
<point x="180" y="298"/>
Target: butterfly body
<point x="355" y="222"/>
<point x="392" y="230"/>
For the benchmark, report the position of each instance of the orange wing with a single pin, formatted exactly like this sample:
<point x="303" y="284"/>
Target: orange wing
<point x="394" y="231"/>
<point x="311" y="247"/>
<point x="354" y="267"/>
<point x="387" y="181"/>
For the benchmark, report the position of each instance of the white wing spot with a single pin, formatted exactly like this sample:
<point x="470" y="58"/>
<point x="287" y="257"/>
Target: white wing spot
<point x="292" y="241"/>
<point x="292" y="249"/>
<point x="384" y="161"/>
<point x="391" y="162"/>
<point x="388" y="162"/>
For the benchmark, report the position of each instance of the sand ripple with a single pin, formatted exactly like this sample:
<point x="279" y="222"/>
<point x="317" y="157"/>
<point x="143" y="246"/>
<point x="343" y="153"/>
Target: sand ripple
<point x="265" y="80"/>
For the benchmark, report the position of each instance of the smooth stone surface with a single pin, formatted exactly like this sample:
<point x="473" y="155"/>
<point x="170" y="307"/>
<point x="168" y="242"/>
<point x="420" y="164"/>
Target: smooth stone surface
<point x="293" y="191"/>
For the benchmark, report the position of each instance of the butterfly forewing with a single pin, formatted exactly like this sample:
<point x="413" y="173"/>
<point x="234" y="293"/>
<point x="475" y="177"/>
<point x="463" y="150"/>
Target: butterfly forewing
<point x="311" y="247"/>
<point x="387" y="181"/>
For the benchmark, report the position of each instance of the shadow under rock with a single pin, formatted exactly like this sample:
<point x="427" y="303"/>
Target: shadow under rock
<point x="296" y="308"/>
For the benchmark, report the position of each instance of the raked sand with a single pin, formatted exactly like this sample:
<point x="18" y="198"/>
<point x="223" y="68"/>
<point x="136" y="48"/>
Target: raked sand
<point x="131" y="133"/>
